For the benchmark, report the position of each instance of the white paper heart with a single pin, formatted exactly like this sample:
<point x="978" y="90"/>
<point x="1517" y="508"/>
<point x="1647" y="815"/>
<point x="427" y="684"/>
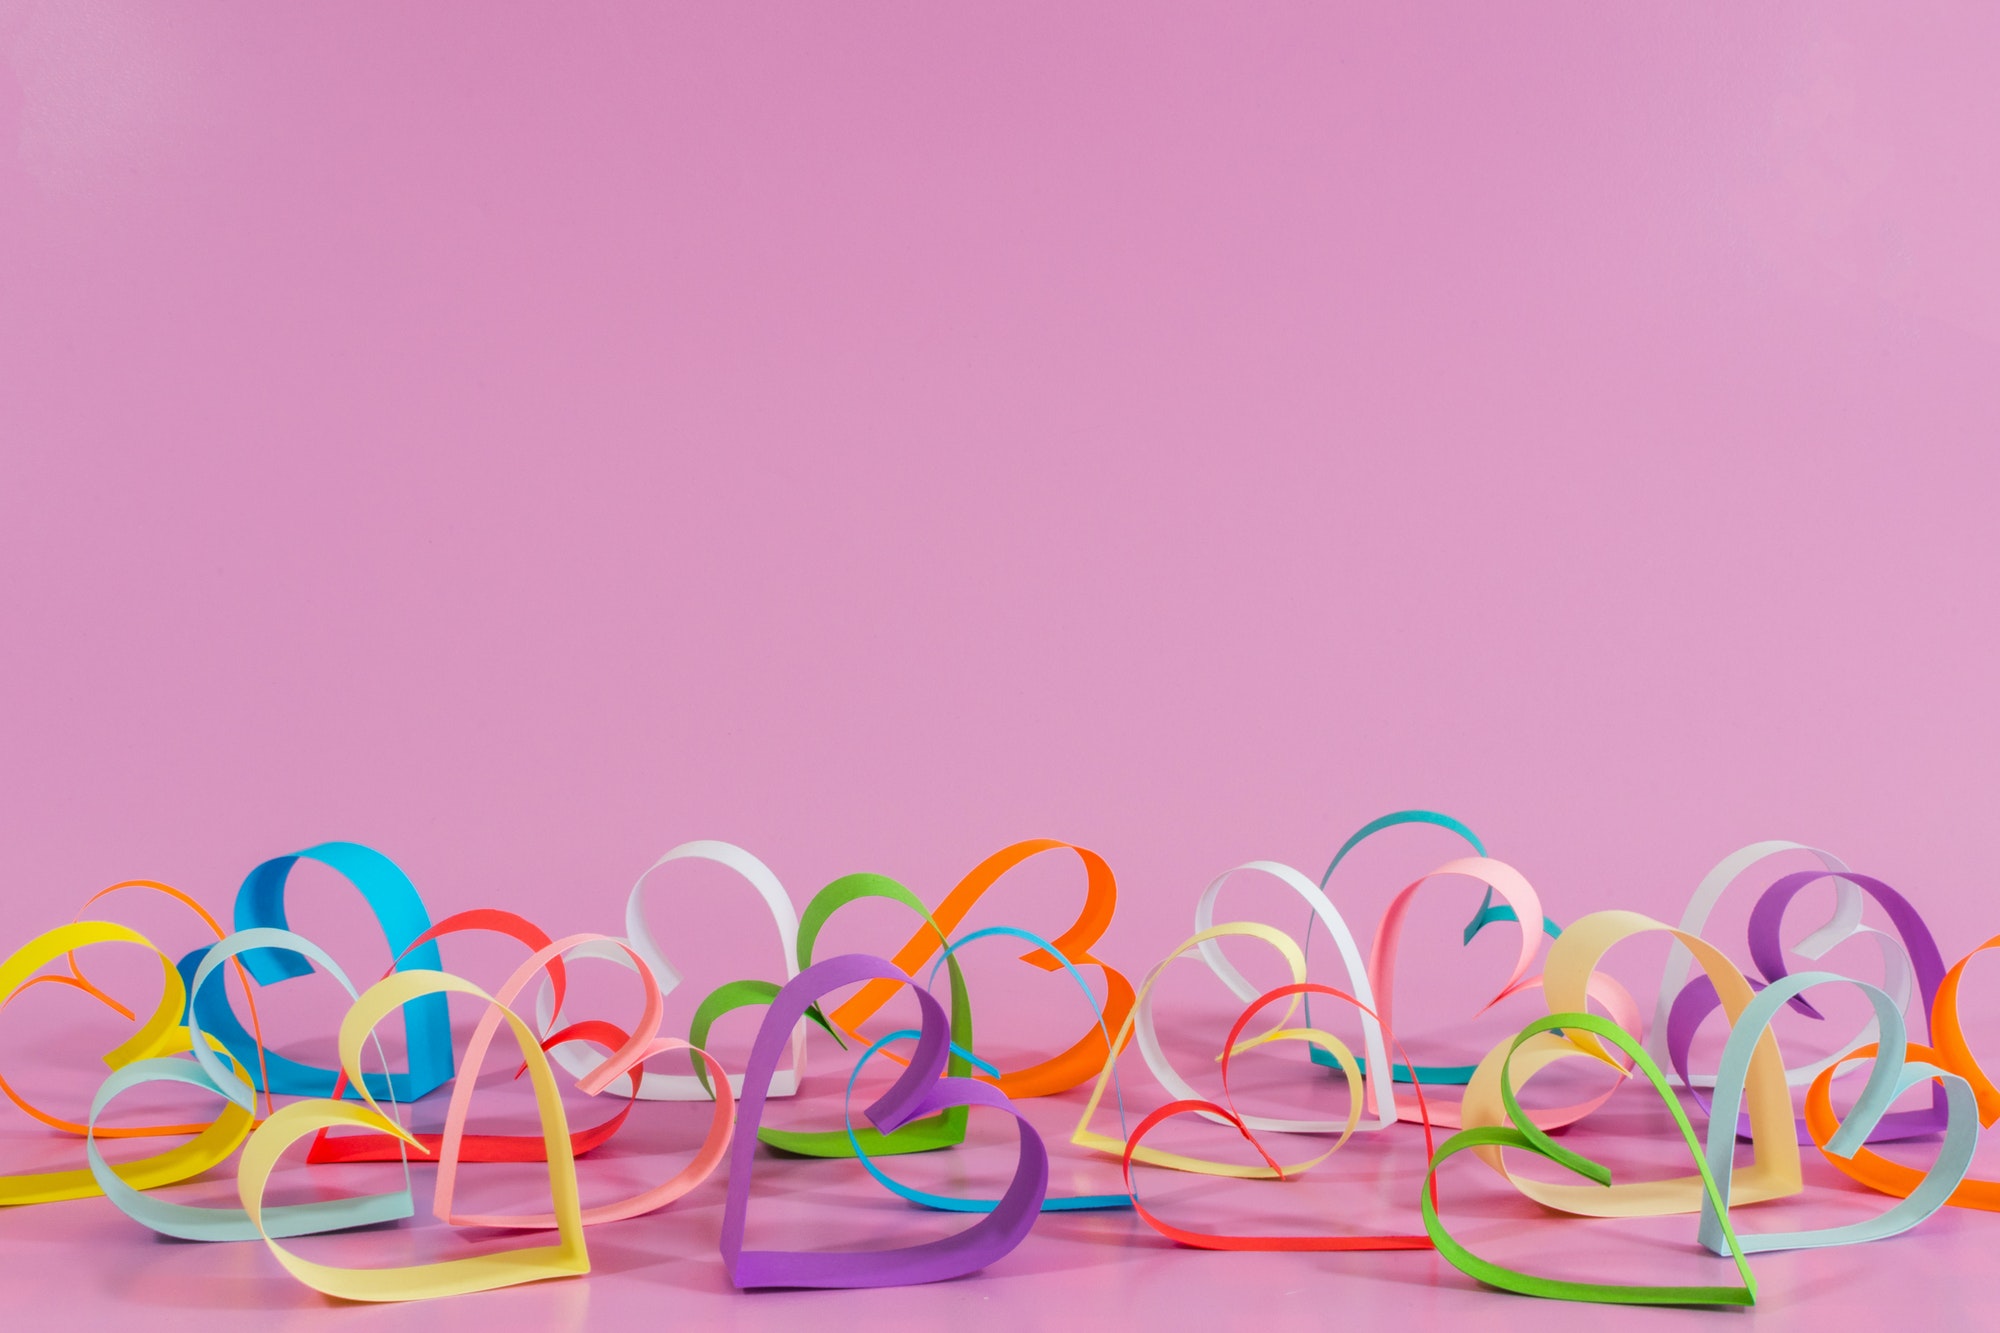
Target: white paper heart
<point x="661" y="1087"/>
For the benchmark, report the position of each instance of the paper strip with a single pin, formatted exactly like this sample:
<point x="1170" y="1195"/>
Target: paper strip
<point x="922" y="1089"/>
<point x="1082" y="1060"/>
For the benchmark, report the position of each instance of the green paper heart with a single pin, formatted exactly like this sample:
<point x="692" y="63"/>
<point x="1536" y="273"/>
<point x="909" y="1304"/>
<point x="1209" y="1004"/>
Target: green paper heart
<point x="1526" y="1137"/>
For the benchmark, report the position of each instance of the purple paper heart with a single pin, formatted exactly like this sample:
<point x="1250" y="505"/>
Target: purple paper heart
<point x="921" y="1090"/>
<point x="1767" y="951"/>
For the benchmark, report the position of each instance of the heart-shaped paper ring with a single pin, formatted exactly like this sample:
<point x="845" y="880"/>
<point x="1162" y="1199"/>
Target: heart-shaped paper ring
<point x="1890" y="1077"/>
<point x="920" y="1090"/>
<point x="1086" y="1056"/>
<point x="1051" y="1203"/>
<point x="1911" y="952"/>
<point x="568" y="1257"/>
<point x="1210" y="1240"/>
<point x="1876" y="1171"/>
<point x="78" y="981"/>
<point x="644" y="1043"/>
<point x="1514" y="889"/>
<point x="1487" y="1139"/>
<point x="232" y="1083"/>
<point x="488" y="1147"/>
<point x="1951" y="1054"/>
<point x="1489" y="913"/>
<point x="161" y="1034"/>
<point x="1845" y="922"/>
<point x="1774" y="1171"/>
<point x="1139" y="1023"/>
<point x="943" y="1130"/>
<point x="1324" y="912"/>
<point x="656" y="1085"/>
<point x="396" y="907"/>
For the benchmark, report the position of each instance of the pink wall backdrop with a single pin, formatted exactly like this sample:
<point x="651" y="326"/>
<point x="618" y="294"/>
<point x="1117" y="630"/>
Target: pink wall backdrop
<point x="524" y="440"/>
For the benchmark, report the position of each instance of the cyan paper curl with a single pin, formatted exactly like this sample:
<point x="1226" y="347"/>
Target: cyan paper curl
<point x="400" y="912"/>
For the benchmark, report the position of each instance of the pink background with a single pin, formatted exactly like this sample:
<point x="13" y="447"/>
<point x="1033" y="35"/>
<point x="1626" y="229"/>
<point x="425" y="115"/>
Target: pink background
<point x="525" y="441"/>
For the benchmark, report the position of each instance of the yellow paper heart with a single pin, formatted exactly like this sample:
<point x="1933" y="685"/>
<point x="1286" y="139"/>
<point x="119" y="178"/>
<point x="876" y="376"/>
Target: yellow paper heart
<point x="1774" y="1170"/>
<point x="568" y="1257"/>
<point x="1085" y="1136"/>
<point x="160" y="1034"/>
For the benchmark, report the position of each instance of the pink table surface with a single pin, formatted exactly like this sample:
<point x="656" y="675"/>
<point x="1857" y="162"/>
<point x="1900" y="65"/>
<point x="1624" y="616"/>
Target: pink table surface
<point x="525" y="440"/>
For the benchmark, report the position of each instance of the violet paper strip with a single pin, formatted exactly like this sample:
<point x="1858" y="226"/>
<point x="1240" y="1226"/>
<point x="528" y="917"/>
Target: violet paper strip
<point x="1697" y="999"/>
<point x="920" y="1090"/>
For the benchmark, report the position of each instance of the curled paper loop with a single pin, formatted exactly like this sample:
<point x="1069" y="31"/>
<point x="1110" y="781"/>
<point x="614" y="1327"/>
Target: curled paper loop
<point x="644" y="1043"/>
<point x="1774" y="1170"/>
<point x="943" y="1130"/>
<point x="161" y="1034"/>
<point x="1052" y="1203"/>
<point x="1889" y="1078"/>
<point x="1518" y="894"/>
<point x="1948" y="1035"/>
<point x="657" y="1085"/>
<point x="399" y="911"/>
<point x="1344" y="1060"/>
<point x="199" y="1222"/>
<point x="1844" y="922"/>
<point x="1910" y="953"/>
<point x="481" y="1272"/>
<point x="78" y="980"/>
<point x="921" y="1090"/>
<point x="209" y="1047"/>
<point x="1085" y="1057"/>
<point x="1522" y="1133"/>
<point x="1324" y="912"/>
<point x="479" y="1147"/>
<point x="1878" y="1172"/>
<point x="1139" y="1024"/>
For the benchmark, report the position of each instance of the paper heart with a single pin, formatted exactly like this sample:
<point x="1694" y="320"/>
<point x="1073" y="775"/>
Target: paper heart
<point x="1139" y="1023"/>
<point x="940" y="1131"/>
<point x="161" y="1034"/>
<point x="920" y="1090"/>
<point x="1774" y="1171"/>
<point x="568" y="1257"/>
<point x="1051" y="1203"/>
<point x="1490" y="1139"/>
<point x="1952" y="1055"/>
<point x="1843" y="924"/>
<point x="606" y="1036"/>
<point x="643" y="1043"/>
<point x="1084" y="1058"/>
<point x="1489" y="913"/>
<point x="399" y="911"/>
<point x="1878" y="1172"/>
<point x="1890" y="1077"/>
<point x="76" y="980"/>
<point x="1344" y="1060"/>
<point x="1912" y="951"/>
<point x="207" y="1072"/>
<point x="484" y="1147"/>
<point x="656" y="1085"/>
<point x="1325" y="913"/>
<point x="1499" y="877"/>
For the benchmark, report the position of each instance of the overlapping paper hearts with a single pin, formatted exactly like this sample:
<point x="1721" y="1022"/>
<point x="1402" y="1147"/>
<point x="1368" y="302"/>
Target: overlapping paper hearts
<point x="194" y="1039"/>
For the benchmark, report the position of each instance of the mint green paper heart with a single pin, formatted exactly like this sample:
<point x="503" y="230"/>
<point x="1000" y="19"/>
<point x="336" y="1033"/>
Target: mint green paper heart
<point x="1891" y="1077"/>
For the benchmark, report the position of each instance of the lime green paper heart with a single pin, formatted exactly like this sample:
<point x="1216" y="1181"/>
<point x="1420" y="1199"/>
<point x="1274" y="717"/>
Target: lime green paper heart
<point x="1525" y="1136"/>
